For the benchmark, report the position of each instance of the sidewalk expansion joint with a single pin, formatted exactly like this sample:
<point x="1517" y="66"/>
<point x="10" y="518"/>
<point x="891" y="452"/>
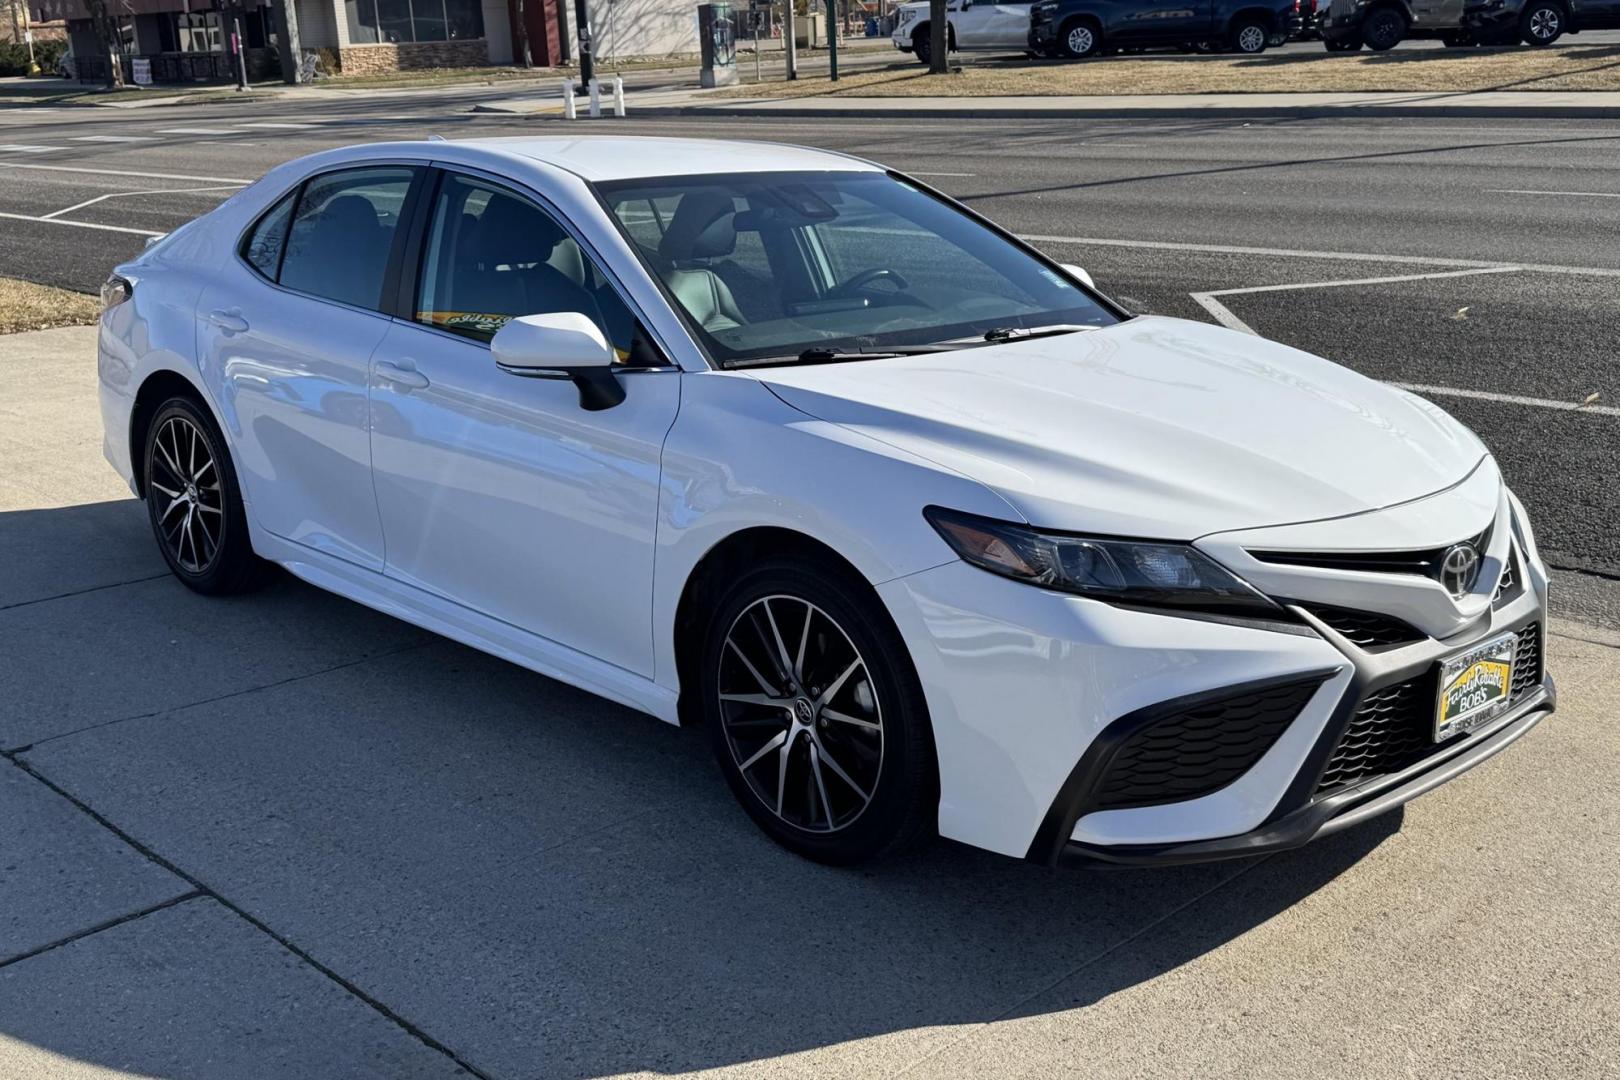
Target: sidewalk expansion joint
<point x="218" y="698"/>
<point x="194" y="894"/>
<point x="201" y="890"/>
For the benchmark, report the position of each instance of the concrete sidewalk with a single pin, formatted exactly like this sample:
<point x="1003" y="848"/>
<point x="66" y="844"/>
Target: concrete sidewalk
<point x="1523" y="104"/>
<point x="285" y="836"/>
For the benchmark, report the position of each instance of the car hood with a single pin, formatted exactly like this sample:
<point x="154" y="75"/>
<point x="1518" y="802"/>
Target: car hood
<point x="1153" y="427"/>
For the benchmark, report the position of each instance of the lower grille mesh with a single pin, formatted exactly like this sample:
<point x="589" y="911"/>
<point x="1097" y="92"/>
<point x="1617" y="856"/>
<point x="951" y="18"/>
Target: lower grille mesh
<point x="1392" y="729"/>
<point x="1200" y="750"/>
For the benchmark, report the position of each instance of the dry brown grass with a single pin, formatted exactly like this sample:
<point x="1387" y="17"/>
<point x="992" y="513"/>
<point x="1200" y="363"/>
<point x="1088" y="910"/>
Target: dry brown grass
<point x="26" y="306"/>
<point x="1573" y="67"/>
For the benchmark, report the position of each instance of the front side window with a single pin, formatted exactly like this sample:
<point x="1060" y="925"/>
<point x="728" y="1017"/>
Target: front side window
<point x="766" y="266"/>
<point x="342" y="233"/>
<point x="492" y="255"/>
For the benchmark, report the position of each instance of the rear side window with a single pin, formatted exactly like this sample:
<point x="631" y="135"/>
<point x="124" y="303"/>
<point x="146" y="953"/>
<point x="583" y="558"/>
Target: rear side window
<point x="264" y="244"/>
<point x="342" y="234"/>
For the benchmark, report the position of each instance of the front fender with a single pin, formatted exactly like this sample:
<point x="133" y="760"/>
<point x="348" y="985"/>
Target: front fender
<point x="739" y="457"/>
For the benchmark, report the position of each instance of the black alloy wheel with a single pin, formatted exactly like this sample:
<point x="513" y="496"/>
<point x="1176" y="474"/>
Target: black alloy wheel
<point x="194" y="504"/>
<point x="816" y="715"/>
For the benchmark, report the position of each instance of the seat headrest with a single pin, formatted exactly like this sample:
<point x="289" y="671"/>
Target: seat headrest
<point x="511" y="231"/>
<point x="703" y="227"/>
<point x="349" y="212"/>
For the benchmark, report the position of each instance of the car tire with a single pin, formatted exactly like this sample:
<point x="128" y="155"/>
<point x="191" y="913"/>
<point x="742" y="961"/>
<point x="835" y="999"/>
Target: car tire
<point x="1248" y="37"/>
<point x="1079" y="39"/>
<point x="922" y="46"/>
<point x="1383" y="29"/>
<point x="1542" y="23"/>
<point x="860" y="779"/>
<point x="194" y="503"/>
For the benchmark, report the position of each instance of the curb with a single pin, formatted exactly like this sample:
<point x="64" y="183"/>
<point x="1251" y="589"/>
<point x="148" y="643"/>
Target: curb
<point x="886" y="112"/>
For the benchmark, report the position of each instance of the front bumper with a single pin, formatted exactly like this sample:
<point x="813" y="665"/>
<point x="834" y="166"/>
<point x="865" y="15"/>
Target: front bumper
<point x="1342" y="809"/>
<point x="1028" y="690"/>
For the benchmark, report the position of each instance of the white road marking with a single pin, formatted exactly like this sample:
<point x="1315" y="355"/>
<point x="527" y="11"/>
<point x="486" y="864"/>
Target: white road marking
<point x="112" y="138"/>
<point x="125" y="172"/>
<point x="272" y="124"/>
<point x="914" y="172"/>
<point x="22" y="148"/>
<point x="1510" y="399"/>
<point x="1584" y="194"/>
<point x="1225" y="316"/>
<point x="196" y="131"/>
<point x="80" y="224"/>
<point x="126" y="194"/>
<point x="1331" y="256"/>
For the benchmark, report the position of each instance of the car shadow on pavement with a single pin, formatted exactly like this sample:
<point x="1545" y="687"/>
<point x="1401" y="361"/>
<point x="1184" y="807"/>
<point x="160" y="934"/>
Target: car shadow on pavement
<point x="543" y="882"/>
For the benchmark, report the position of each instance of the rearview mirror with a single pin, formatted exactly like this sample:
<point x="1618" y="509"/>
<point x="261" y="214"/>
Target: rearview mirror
<point x="1079" y="274"/>
<point x="564" y="345"/>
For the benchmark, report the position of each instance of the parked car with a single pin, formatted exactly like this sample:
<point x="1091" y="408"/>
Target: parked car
<point x="1078" y="28"/>
<point x="984" y="25"/>
<point x="1347" y="25"/>
<point x="1535" y="22"/>
<point x="928" y="533"/>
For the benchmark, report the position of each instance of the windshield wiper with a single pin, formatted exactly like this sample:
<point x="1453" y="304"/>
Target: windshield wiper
<point x="1021" y="333"/>
<point x="827" y="354"/>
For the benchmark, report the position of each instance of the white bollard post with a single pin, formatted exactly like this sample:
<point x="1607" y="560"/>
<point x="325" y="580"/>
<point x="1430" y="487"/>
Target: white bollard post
<point x="596" y="98"/>
<point x="618" y="97"/>
<point x="568" y="99"/>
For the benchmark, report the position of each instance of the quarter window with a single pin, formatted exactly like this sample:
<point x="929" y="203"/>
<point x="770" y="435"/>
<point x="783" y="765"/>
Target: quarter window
<point x="493" y="255"/>
<point x="269" y="236"/>
<point x="342" y="233"/>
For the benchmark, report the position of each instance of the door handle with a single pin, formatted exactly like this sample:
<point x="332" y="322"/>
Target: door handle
<point x="403" y="374"/>
<point x="230" y="321"/>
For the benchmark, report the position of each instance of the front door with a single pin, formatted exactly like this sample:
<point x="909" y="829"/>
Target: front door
<point x="497" y="491"/>
<point x="288" y="332"/>
<point x="1163" y="21"/>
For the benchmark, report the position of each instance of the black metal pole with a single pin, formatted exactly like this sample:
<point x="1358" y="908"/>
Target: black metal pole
<point x="832" y="39"/>
<point x="587" y="65"/>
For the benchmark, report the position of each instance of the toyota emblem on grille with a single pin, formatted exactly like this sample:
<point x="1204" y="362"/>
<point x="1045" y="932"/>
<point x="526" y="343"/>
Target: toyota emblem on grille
<point x="1459" y="568"/>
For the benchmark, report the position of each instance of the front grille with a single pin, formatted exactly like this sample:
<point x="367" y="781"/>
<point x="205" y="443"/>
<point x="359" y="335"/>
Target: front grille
<point x="1199" y="750"/>
<point x="1365" y="628"/>
<point x="1393" y="728"/>
<point x="1425" y="563"/>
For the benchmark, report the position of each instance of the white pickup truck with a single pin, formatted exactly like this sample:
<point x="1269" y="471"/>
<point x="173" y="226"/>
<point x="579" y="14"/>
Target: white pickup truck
<point x="970" y="24"/>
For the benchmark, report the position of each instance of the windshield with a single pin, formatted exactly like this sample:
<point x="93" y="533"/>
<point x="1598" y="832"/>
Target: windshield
<point x="769" y="266"/>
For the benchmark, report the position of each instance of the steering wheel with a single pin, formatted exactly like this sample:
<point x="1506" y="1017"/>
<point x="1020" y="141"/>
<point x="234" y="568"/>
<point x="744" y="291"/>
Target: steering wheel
<point x="866" y="277"/>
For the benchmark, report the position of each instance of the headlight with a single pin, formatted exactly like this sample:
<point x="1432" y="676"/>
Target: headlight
<point x="1135" y="572"/>
<point x="114" y="291"/>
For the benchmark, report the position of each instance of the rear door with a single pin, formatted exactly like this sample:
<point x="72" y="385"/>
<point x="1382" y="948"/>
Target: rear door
<point x="288" y="330"/>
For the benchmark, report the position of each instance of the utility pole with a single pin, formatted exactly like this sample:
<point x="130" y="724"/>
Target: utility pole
<point x="832" y="38"/>
<point x="938" y="37"/>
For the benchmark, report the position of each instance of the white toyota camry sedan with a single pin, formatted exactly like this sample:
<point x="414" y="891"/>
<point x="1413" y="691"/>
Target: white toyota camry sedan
<point x="929" y="534"/>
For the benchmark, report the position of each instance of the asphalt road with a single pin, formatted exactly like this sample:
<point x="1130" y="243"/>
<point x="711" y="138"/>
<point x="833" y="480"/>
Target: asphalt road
<point x="1153" y="208"/>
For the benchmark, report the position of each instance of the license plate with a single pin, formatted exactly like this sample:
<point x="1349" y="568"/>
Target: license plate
<point x="1474" y="687"/>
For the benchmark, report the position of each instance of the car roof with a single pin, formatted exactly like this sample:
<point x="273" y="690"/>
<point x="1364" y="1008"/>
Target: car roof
<point x="629" y="157"/>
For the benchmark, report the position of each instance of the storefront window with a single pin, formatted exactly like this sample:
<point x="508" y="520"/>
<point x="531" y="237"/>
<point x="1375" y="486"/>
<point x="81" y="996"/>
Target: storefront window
<point x="197" y="33"/>
<point x="400" y="21"/>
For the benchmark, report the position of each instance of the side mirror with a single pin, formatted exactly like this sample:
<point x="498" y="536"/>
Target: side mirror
<point x="1079" y="274"/>
<point x="566" y="345"/>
